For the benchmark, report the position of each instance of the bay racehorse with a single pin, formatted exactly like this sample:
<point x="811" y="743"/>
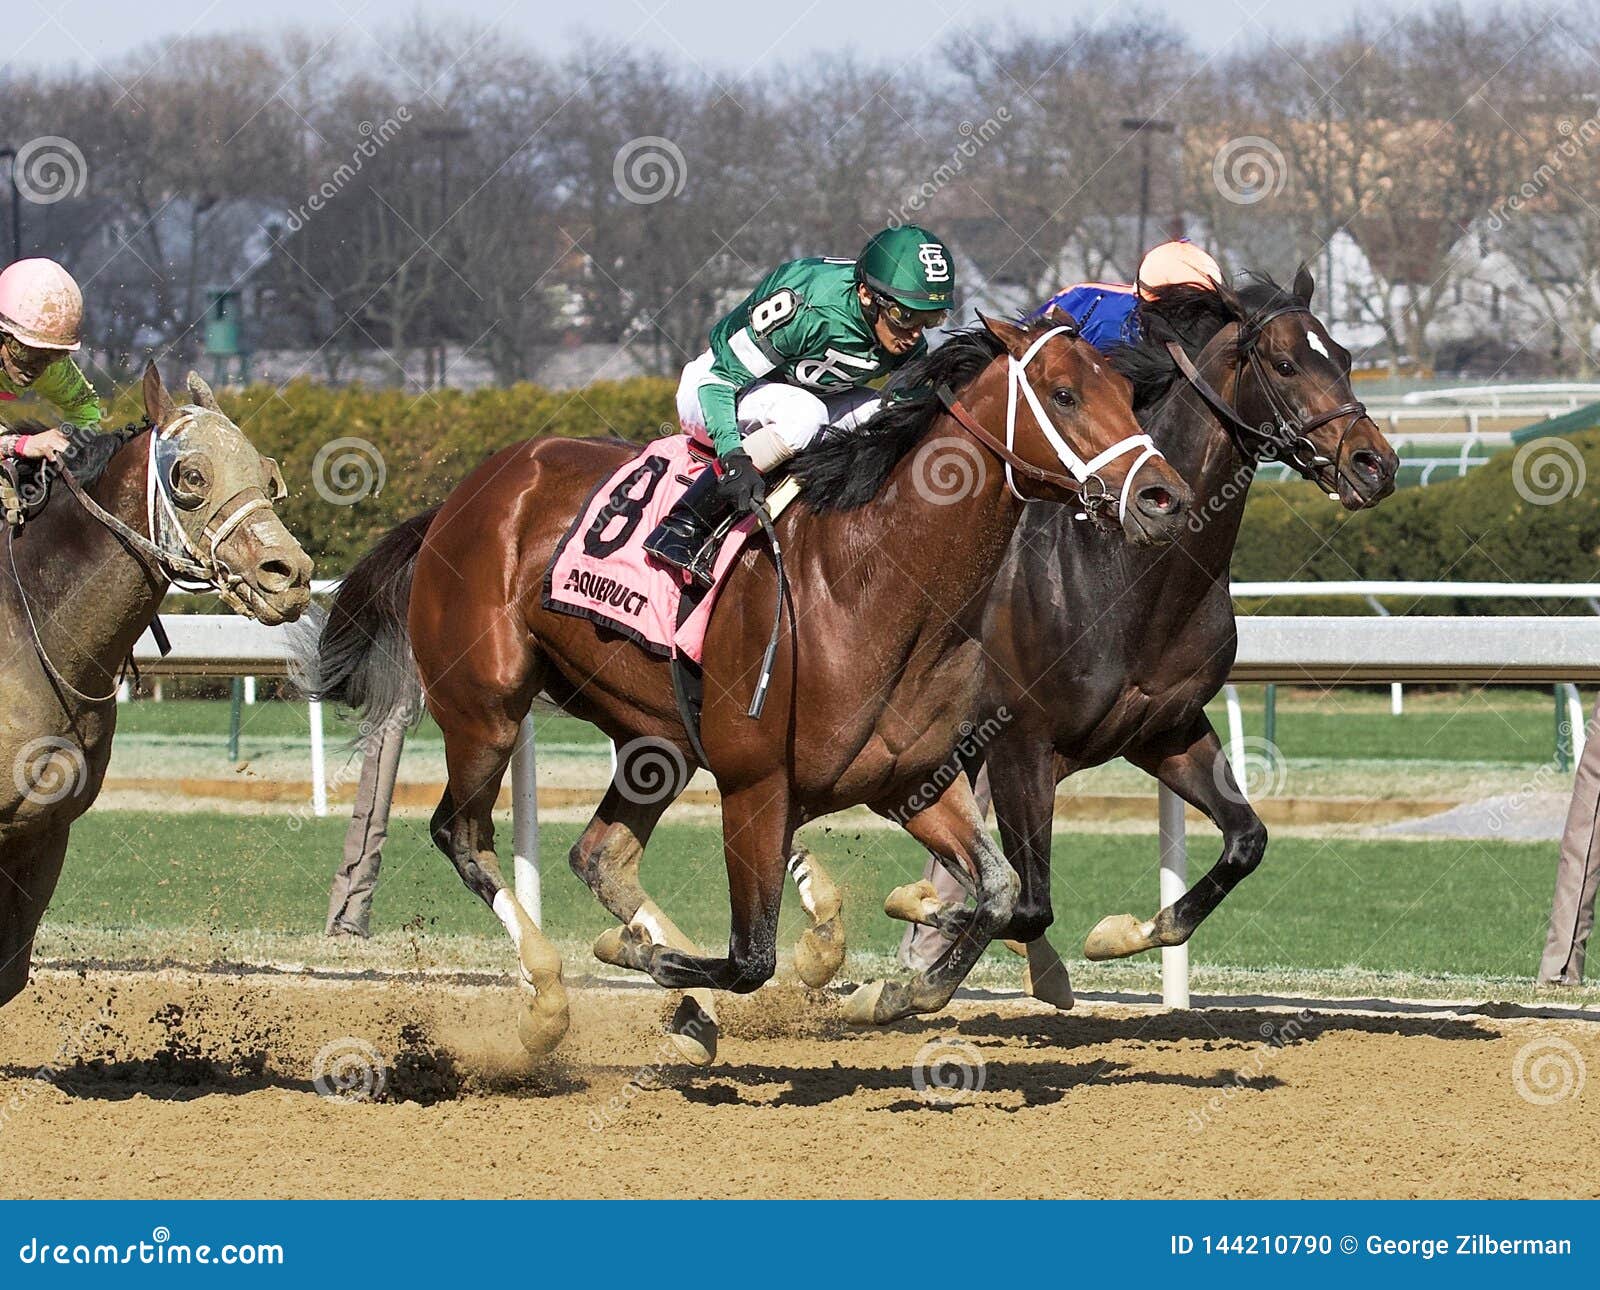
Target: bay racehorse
<point x="1097" y="650"/>
<point x="899" y="529"/>
<point x="187" y="496"/>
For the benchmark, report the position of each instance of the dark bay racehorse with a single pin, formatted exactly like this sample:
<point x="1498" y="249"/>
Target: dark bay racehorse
<point x="81" y="582"/>
<point x="1098" y="650"/>
<point x="891" y="549"/>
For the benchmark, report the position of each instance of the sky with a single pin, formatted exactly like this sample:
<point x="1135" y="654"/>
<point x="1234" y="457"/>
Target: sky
<point x="724" y="35"/>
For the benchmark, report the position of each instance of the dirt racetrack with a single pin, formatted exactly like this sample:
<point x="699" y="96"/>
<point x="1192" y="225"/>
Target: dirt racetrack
<point x="186" y="1085"/>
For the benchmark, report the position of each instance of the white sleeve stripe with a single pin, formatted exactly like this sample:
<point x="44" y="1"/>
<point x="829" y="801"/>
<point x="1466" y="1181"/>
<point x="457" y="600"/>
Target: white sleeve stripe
<point x="745" y="349"/>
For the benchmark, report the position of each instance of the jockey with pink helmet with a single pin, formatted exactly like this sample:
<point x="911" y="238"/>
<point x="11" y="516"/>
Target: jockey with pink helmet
<point x="1106" y="312"/>
<point x="41" y="319"/>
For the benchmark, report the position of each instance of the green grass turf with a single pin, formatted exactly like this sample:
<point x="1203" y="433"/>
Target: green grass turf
<point x="1402" y="906"/>
<point x="1495" y="726"/>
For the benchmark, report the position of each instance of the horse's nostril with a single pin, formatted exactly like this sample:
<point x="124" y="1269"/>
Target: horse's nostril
<point x="275" y="574"/>
<point x="1367" y="463"/>
<point x="1156" y="500"/>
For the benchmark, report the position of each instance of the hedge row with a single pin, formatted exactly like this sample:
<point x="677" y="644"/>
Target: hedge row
<point x="1482" y="527"/>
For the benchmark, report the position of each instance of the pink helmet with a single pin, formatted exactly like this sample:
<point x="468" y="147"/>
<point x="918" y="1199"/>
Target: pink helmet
<point x="1179" y="263"/>
<point x="41" y="305"/>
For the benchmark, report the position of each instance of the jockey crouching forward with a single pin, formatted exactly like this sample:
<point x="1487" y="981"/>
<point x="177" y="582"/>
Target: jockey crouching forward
<point x="41" y="319"/>
<point x="1107" y="313"/>
<point x="794" y="357"/>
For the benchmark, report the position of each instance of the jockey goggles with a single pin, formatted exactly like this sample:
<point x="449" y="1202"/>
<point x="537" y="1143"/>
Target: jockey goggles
<point x="903" y="318"/>
<point x="23" y="363"/>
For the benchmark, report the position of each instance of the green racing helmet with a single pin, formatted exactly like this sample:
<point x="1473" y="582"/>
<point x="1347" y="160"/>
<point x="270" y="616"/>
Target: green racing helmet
<point x="911" y="266"/>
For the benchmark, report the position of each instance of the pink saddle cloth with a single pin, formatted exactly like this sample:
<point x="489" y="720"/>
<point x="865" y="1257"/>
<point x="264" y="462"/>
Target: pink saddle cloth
<point x="601" y="572"/>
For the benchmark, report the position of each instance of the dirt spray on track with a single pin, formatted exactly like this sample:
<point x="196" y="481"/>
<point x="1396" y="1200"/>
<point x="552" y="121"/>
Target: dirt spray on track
<point x="121" y="1084"/>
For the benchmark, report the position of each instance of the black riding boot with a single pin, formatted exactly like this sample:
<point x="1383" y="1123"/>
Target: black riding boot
<point x="688" y="525"/>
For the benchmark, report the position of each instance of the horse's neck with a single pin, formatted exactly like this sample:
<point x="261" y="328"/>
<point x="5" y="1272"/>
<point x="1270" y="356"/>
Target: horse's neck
<point x="915" y="553"/>
<point x="91" y="597"/>
<point x="1201" y="449"/>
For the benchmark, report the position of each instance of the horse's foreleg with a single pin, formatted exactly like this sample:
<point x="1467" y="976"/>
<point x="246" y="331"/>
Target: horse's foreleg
<point x="30" y="865"/>
<point x="1192" y="764"/>
<point x="757" y="830"/>
<point x="606" y="856"/>
<point x="463" y="828"/>
<point x="819" y="953"/>
<point x="1023" y="775"/>
<point x="952" y="828"/>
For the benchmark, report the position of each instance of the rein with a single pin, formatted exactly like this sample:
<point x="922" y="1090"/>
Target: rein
<point x="1080" y="473"/>
<point x="1289" y="440"/>
<point x="205" y="571"/>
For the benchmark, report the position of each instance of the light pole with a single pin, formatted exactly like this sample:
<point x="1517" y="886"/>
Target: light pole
<point x="16" y="205"/>
<point x="1144" y="127"/>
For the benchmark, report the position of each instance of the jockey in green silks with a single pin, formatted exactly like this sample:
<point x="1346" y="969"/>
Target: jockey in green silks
<point x="41" y="323"/>
<point x="794" y="357"/>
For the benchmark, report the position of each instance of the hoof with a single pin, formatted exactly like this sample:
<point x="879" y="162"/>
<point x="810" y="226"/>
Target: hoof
<point x="1116" y="936"/>
<point x="878" y="1003"/>
<point x="693" y="1032"/>
<point x="1045" y="978"/>
<point x="916" y="902"/>
<point x="543" y="1023"/>
<point x="819" y="954"/>
<point x="609" y="947"/>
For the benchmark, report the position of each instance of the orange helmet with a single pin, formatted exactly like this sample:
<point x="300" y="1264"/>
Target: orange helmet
<point x="1179" y="263"/>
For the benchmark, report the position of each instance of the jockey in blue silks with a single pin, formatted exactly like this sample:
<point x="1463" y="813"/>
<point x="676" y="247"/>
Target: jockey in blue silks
<point x="1107" y="312"/>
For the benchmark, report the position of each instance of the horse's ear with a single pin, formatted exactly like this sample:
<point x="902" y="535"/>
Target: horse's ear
<point x="158" y="404"/>
<point x="1059" y="317"/>
<point x="1304" y="285"/>
<point x="201" y="393"/>
<point x="1013" y="337"/>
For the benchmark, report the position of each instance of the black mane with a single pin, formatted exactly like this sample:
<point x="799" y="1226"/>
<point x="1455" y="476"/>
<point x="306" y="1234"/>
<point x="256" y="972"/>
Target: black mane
<point x="1192" y="316"/>
<point x="844" y="471"/>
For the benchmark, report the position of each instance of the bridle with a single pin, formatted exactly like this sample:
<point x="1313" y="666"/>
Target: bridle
<point x="1082" y="478"/>
<point x="1288" y="438"/>
<point x="173" y="551"/>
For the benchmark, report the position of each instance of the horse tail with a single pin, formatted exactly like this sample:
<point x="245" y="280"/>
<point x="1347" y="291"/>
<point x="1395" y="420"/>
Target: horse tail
<point x="358" y="653"/>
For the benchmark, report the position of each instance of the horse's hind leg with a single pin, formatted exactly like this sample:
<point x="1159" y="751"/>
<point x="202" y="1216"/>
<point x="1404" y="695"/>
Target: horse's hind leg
<point x="477" y="749"/>
<point x="758" y="823"/>
<point x="606" y="856"/>
<point x="953" y="829"/>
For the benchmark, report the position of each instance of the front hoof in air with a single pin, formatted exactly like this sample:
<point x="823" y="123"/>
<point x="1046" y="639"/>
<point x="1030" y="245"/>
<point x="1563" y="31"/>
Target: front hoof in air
<point x="1116" y="936"/>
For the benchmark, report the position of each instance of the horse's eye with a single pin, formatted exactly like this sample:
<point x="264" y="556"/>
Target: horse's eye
<point x="1284" y="367"/>
<point x="1064" y="398"/>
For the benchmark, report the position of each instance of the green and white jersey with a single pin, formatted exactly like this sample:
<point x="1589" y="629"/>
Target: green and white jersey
<point x="802" y="325"/>
<point x="65" y="388"/>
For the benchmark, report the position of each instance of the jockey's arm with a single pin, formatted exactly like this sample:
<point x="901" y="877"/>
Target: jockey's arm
<point x="64" y="386"/>
<point x="740" y="357"/>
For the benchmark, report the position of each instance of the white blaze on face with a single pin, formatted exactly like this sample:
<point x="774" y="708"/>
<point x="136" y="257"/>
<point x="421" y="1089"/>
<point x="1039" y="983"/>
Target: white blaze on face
<point x="1316" y="344"/>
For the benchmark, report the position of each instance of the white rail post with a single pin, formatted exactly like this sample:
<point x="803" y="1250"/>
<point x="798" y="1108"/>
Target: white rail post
<point x="525" y="823"/>
<point x="319" y="773"/>
<point x="1575" y="722"/>
<point x="249" y="690"/>
<point x="1174" y="882"/>
<point x="1397" y="698"/>
<point x="1230" y="694"/>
